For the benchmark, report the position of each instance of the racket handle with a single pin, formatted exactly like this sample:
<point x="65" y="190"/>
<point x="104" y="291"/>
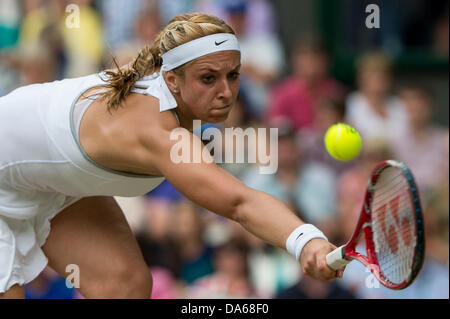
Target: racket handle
<point x="336" y="259"/>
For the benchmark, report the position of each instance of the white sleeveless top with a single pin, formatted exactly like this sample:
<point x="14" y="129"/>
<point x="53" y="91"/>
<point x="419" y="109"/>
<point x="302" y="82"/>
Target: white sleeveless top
<point x="43" y="168"/>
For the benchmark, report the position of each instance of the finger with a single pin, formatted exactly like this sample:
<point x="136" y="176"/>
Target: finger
<point x="321" y="275"/>
<point x="324" y="269"/>
<point x="314" y="272"/>
<point x="341" y="272"/>
<point x="326" y="274"/>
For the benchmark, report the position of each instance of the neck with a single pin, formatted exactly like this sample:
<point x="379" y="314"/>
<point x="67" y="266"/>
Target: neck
<point x="185" y="117"/>
<point x="377" y="102"/>
<point x="184" y="121"/>
<point x="311" y="82"/>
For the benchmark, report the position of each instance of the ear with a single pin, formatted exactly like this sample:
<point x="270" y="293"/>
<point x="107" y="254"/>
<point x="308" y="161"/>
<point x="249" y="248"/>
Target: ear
<point x="172" y="81"/>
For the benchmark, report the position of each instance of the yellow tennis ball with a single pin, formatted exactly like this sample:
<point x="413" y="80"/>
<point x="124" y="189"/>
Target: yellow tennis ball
<point x="342" y="142"/>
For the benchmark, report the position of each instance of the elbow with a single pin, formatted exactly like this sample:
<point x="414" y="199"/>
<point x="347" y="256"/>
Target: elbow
<point x="238" y="204"/>
<point x="233" y="208"/>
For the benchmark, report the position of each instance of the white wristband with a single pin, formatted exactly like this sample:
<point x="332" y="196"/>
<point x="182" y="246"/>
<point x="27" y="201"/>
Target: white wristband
<point x="300" y="236"/>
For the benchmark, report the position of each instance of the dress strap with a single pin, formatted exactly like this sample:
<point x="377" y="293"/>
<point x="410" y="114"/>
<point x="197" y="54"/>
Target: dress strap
<point x="176" y="116"/>
<point x="150" y="85"/>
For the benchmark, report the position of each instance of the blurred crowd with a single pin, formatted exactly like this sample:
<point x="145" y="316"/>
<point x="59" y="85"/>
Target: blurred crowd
<point x="193" y="253"/>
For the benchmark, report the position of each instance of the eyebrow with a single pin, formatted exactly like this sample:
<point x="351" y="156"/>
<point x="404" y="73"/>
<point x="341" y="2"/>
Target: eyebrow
<point x="213" y="70"/>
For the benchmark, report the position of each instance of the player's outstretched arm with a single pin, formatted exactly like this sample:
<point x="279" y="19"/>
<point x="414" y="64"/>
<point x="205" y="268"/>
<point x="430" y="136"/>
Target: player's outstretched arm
<point x="263" y="215"/>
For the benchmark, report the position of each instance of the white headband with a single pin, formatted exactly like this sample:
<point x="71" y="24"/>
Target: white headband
<point x="196" y="48"/>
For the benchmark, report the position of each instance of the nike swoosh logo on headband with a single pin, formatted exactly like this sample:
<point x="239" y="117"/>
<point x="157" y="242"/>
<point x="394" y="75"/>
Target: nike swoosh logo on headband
<point x="219" y="43"/>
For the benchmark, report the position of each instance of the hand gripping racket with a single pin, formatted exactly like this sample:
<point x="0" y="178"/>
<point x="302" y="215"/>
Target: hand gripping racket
<point x="391" y="220"/>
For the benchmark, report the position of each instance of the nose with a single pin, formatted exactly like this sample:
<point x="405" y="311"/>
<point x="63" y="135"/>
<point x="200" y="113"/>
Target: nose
<point x="225" y="92"/>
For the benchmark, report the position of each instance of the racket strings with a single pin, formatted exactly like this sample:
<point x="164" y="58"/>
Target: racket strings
<point x="387" y="193"/>
<point x="395" y="263"/>
<point x="393" y="226"/>
<point x="389" y="182"/>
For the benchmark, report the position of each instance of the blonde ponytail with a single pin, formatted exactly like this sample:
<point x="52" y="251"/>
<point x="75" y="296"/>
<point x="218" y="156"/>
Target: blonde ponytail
<point x="122" y="80"/>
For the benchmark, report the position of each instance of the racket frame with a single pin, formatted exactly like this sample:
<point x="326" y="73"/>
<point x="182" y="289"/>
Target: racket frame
<point x="365" y="225"/>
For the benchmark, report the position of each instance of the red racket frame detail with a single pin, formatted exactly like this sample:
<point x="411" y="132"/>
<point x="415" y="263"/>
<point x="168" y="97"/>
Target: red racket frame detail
<point x="364" y="223"/>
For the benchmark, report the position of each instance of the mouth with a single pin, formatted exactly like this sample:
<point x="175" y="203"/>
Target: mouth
<point x="223" y="107"/>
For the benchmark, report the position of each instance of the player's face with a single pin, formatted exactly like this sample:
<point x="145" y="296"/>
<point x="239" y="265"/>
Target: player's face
<point x="210" y="85"/>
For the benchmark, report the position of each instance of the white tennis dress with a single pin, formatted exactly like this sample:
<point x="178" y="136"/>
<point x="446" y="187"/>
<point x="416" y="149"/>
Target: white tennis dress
<point x="43" y="168"/>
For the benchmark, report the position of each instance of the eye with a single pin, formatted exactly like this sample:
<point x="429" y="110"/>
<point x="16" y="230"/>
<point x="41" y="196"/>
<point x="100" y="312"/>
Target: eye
<point x="208" y="79"/>
<point x="234" y="75"/>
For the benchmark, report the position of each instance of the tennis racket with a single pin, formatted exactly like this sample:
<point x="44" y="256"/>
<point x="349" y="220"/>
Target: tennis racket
<point x="392" y="224"/>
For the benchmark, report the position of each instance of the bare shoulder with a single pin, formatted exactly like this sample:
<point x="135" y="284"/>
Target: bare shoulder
<point x="145" y="109"/>
<point x="145" y="117"/>
<point x="149" y="130"/>
<point x="126" y="138"/>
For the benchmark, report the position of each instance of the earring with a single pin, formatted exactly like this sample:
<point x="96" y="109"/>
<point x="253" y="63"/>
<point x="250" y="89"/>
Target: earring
<point x="175" y="91"/>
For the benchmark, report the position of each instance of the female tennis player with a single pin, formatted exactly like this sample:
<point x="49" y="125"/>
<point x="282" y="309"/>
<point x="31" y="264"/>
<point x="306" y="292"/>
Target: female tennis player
<point x="68" y="146"/>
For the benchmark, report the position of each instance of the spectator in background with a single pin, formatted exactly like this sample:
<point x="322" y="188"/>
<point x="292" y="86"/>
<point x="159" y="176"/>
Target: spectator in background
<point x="170" y="8"/>
<point x="9" y="79"/>
<point x="10" y="16"/>
<point x="271" y="269"/>
<point x="436" y="216"/>
<point x="38" y="15"/>
<point x="155" y="235"/>
<point x="38" y="31"/>
<point x="309" y="187"/>
<point x="165" y="283"/>
<point x="329" y="111"/>
<point x="146" y="26"/>
<point x="441" y="36"/>
<point x="84" y="43"/>
<point x="36" y="64"/>
<point x="230" y="278"/>
<point x="187" y="232"/>
<point x="261" y="56"/>
<point x="261" y="17"/>
<point x="296" y="97"/>
<point x="372" y="110"/>
<point x="119" y="19"/>
<point x="42" y="28"/>
<point x="423" y="147"/>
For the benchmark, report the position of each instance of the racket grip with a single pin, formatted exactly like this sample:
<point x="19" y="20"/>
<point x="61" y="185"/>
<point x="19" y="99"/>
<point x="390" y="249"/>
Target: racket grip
<point x="336" y="259"/>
